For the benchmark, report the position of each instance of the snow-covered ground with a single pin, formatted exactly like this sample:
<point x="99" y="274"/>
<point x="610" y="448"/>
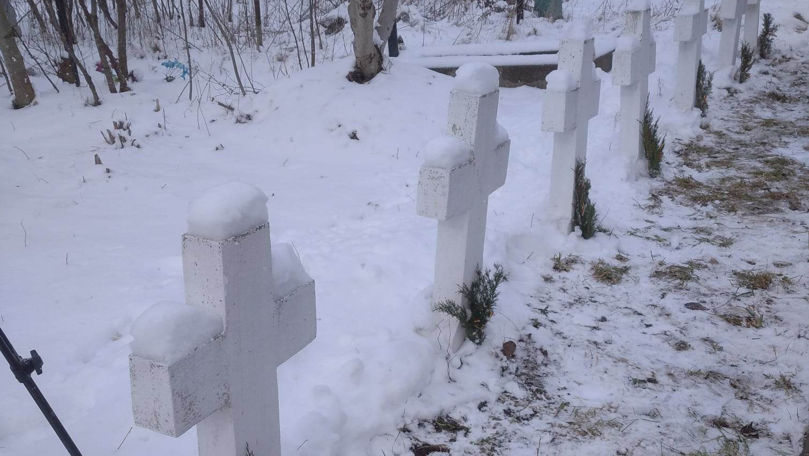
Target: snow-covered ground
<point x="600" y="369"/>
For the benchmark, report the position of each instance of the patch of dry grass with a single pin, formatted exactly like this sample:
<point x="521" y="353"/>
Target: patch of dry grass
<point x="748" y="176"/>
<point x="754" y="280"/>
<point x="681" y="273"/>
<point x="786" y="384"/>
<point x="608" y="273"/>
<point x="566" y="263"/>
<point x="751" y="318"/>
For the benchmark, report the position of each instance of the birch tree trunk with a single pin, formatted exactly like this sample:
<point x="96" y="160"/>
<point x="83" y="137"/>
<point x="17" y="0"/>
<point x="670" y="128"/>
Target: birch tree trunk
<point x="368" y="47"/>
<point x="367" y="55"/>
<point x="23" y="90"/>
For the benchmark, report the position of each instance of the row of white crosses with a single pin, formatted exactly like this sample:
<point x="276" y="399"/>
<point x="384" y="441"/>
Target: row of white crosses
<point x="455" y="190"/>
<point x="731" y="13"/>
<point x="264" y="310"/>
<point x="691" y="24"/>
<point x="226" y="383"/>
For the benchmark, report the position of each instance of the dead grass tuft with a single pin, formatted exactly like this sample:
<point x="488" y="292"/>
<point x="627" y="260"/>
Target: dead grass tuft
<point x="608" y="273"/>
<point x="785" y="383"/>
<point x="751" y="318"/>
<point x="564" y="264"/>
<point x="682" y="273"/>
<point x="448" y="424"/>
<point x="754" y="280"/>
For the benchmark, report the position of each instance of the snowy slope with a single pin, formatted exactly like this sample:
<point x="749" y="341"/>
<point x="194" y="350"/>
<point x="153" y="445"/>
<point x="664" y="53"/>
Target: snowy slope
<point x="84" y="252"/>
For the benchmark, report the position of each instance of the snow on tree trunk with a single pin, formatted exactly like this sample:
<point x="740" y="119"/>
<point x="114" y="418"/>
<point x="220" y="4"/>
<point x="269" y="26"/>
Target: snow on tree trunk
<point x="23" y="90"/>
<point x="367" y="55"/>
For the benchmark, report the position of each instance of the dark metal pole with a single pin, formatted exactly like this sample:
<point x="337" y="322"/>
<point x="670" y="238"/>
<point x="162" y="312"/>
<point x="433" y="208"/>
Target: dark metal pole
<point x="393" y="42"/>
<point x="22" y="368"/>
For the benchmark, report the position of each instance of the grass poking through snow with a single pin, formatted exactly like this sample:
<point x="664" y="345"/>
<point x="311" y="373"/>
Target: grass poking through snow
<point x="608" y="273"/>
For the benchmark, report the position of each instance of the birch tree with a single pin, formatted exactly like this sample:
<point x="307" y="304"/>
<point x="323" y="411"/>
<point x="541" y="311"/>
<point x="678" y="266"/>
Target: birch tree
<point x="23" y="90"/>
<point x="368" y="46"/>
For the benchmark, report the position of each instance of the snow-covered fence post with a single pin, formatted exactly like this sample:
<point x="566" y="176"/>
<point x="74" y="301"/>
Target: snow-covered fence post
<point x="730" y="12"/>
<point x="212" y="362"/>
<point x="689" y="26"/>
<point x="456" y="179"/>
<point x="751" y="18"/>
<point x="634" y="60"/>
<point x="561" y="116"/>
<point x="573" y="90"/>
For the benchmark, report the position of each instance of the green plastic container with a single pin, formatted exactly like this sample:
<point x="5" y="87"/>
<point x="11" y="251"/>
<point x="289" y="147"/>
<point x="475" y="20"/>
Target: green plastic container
<point x="552" y="9"/>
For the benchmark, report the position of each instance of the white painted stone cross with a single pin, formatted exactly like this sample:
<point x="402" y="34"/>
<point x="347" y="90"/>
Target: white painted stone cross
<point x="730" y="12"/>
<point x="561" y="115"/>
<point x="456" y="179"/>
<point x="576" y="56"/>
<point x="690" y="25"/>
<point x="212" y="362"/>
<point x="751" y="18"/>
<point x="571" y="100"/>
<point x="634" y="60"/>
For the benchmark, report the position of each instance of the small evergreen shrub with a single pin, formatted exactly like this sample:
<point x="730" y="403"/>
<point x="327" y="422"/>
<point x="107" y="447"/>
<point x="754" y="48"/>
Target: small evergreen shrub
<point x="704" y="87"/>
<point x="584" y="211"/>
<point x="766" y="36"/>
<point x="746" y="63"/>
<point x="653" y="144"/>
<point x="482" y="297"/>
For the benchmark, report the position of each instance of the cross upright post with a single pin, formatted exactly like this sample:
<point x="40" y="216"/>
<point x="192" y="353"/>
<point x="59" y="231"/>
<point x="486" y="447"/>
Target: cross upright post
<point x="455" y="182"/>
<point x="690" y="25"/>
<point x="730" y="12"/>
<point x="751" y="18"/>
<point x="634" y="60"/>
<point x="262" y="305"/>
<point x="561" y="116"/>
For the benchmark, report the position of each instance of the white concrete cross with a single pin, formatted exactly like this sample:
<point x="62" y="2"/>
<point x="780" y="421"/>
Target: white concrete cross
<point x="561" y="115"/>
<point x="227" y="385"/>
<point x="690" y="24"/>
<point x="730" y="12"/>
<point x="577" y="55"/>
<point x="634" y="60"/>
<point x="574" y="82"/>
<point x="457" y="178"/>
<point x="751" y="18"/>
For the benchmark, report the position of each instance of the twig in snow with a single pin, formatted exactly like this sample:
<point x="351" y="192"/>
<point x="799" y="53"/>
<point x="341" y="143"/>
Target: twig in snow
<point x="226" y="106"/>
<point x="124" y="440"/>
<point x="24" y="233"/>
<point x="23" y="152"/>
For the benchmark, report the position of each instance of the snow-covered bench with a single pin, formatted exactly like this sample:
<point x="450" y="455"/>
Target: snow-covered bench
<point x="519" y="63"/>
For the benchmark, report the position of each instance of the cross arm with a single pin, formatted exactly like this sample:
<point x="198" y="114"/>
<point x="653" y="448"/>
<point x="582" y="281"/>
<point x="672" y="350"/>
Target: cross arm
<point x="688" y="24"/>
<point x="561" y="102"/>
<point x="171" y="397"/>
<point x="444" y="192"/>
<point x="294" y="313"/>
<point x="627" y="61"/>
